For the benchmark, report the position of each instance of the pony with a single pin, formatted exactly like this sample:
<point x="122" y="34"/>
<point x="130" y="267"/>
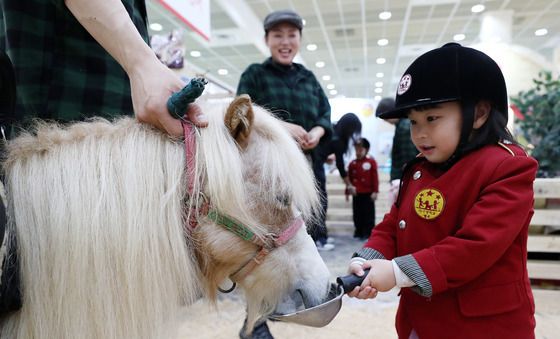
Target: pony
<point x="118" y="227"/>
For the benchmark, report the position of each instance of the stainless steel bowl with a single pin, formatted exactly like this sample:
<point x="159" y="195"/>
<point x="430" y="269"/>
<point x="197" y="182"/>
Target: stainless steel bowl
<point x="316" y="316"/>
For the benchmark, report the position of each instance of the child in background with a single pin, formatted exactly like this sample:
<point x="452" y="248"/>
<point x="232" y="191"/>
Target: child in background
<point x="364" y="187"/>
<point x="455" y="240"/>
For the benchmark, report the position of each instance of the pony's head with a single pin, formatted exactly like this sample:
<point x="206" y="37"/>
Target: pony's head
<point x="101" y="213"/>
<point x="269" y="194"/>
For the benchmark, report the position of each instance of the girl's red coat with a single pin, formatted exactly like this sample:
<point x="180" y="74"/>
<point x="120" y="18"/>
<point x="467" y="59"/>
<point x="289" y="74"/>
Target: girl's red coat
<point x="473" y="251"/>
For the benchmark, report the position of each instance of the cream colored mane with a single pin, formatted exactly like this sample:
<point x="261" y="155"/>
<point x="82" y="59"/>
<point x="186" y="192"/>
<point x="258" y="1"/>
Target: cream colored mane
<point x="100" y="216"/>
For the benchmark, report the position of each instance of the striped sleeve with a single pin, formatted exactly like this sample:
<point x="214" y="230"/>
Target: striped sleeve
<point x="410" y="267"/>
<point x="368" y="254"/>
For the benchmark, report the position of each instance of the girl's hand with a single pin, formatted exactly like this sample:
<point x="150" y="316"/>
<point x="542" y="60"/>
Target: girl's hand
<point x="373" y="196"/>
<point x="360" y="292"/>
<point x="381" y="275"/>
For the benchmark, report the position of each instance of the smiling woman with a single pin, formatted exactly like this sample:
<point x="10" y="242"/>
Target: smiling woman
<point x="294" y="95"/>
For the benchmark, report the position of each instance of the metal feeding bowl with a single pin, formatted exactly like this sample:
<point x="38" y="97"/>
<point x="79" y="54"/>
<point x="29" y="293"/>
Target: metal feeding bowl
<point x="322" y="314"/>
<point x="316" y="316"/>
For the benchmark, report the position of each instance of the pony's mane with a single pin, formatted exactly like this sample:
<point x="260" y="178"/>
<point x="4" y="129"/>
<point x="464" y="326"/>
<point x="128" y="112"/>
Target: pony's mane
<point x="283" y="165"/>
<point x="283" y="168"/>
<point x="126" y="183"/>
<point x="89" y="174"/>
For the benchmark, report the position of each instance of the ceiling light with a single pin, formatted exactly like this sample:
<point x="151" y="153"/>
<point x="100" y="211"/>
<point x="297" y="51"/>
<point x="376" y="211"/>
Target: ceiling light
<point x="382" y="42"/>
<point x="156" y="27"/>
<point x="223" y="71"/>
<point x="311" y="47"/>
<point x="320" y="64"/>
<point x="326" y="77"/>
<point x="331" y="86"/>
<point x="303" y="22"/>
<point x="541" y="32"/>
<point x="195" y="54"/>
<point x="385" y="15"/>
<point x="477" y="8"/>
<point x="380" y="61"/>
<point x="377" y="98"/>
<point x="333" y="92"/>
<point x="379" y="84"/>
<point x="378" y="90"/>
<point x="459" y="37"/>
<point x="379" y="74"/>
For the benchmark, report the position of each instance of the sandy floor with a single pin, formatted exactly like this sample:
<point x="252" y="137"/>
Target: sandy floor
<point x="358" y="319"/>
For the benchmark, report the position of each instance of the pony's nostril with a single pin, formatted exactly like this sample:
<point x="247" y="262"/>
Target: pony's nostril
<point x="300" y="300"/>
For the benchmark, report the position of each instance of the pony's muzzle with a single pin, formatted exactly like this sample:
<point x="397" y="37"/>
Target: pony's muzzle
<point x="319" y="315"/>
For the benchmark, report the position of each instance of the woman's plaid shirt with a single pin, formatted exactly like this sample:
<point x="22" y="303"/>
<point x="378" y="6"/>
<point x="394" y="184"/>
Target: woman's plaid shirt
<point x="62" y="73"/>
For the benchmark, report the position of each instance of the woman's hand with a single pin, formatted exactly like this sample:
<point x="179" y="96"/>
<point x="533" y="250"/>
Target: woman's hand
<point x="151" y="86"/>
<point x="297" y="132"/>
<point x="313" y="137"/>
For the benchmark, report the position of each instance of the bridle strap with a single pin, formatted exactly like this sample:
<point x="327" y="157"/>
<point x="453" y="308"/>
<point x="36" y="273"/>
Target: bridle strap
<point x="190" y="151"/>
<point x="258" y="258"/>
<point x="270" y="242"/>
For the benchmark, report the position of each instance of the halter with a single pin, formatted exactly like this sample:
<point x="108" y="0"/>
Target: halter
<point x="266" y="245"/>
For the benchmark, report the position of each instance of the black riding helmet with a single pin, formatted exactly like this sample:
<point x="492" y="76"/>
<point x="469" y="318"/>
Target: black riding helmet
<point x="452" y="72"/>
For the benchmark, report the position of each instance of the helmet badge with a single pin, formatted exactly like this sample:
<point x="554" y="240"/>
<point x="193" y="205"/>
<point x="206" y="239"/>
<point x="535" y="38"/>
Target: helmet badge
<point x="404" y="84"/>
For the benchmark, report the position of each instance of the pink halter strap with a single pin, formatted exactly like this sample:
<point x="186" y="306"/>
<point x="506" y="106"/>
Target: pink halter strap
<point x="190" y="151"/>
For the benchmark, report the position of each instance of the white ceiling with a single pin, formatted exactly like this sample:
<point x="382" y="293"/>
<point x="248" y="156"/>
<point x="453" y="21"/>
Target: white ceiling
<point x="346" y="33"/>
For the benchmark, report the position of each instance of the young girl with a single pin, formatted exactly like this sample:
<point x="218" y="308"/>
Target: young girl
<point x="457" y="234"/>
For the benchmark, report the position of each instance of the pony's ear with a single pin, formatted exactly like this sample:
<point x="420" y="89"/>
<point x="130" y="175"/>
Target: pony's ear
<point x="239" y="119"/>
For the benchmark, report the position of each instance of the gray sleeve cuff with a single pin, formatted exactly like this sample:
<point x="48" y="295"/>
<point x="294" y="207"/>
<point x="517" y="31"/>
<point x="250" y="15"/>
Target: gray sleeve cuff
<point x="410" y="267"/>
<point x="368" y="254"/>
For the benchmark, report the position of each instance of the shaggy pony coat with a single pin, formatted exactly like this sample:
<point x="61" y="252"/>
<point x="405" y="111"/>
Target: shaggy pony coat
<point x="99" y="210"/>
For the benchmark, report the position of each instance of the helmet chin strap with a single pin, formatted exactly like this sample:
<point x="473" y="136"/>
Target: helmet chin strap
<point x="468" y="111"/>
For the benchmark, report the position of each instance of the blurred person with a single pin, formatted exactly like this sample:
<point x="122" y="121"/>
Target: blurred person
<point x="364" y="187"/>
<point x="403" y="149"/>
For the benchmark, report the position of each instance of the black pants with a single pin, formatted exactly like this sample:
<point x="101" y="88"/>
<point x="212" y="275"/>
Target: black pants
<point x="363" y="210"/>
<point x="318" y="230"/>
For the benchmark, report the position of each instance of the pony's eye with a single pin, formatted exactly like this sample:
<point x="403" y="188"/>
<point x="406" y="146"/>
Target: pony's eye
<point x="284" y="200"/>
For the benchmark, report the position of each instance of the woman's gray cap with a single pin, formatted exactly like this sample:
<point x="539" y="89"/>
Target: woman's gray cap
<point x="284" y="15"/>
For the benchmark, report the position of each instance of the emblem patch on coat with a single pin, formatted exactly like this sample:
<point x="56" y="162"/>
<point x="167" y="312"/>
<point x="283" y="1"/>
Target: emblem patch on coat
<point x="429" y="203"/>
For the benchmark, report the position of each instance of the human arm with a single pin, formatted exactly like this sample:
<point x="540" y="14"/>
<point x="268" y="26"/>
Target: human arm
<point x="322" y="126"/>
<point x="350" y="188"/>
<point x="374" y="180"/>
<point x="151" y="82"/>
<point x="490" y="235"/>
<point x="380" y="248"/>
